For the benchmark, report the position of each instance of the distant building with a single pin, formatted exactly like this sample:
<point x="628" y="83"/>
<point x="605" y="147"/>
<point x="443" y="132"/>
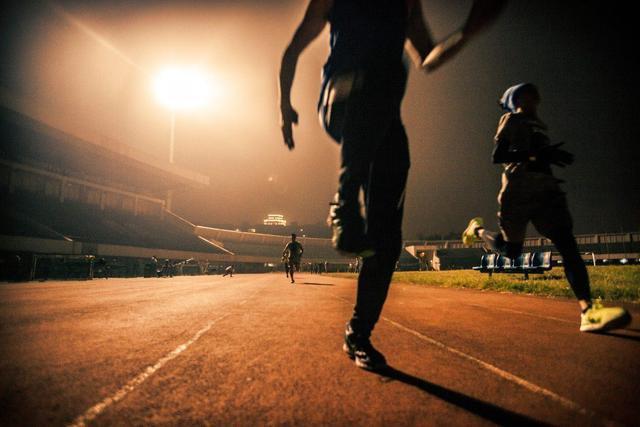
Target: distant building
<point x="275" y="219"/>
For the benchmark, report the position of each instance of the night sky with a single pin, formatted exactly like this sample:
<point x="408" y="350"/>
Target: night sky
<point x="579" y="54"/>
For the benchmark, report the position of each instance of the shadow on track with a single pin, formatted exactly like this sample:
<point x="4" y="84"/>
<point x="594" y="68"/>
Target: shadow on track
<point x="318" y="284"/>
<point x="619" y="335"/>
<point x="483" y="409"/>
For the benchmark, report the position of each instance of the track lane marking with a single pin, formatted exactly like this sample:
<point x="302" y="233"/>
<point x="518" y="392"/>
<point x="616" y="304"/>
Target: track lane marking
<point x="132" y="384"/>
<point x="563" y="401"/>
<point x="509" y="310"/>
<point x="98" y="408"/>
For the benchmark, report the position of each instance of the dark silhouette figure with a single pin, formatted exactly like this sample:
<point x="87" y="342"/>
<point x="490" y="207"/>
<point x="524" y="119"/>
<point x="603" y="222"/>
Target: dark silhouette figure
<point x="228" y="271"/>
<point x="293" y="255"/>
<point x="363" y="84"/>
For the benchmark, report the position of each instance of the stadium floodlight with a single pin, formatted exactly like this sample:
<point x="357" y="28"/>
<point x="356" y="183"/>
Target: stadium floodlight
<point x="181" y="89"/>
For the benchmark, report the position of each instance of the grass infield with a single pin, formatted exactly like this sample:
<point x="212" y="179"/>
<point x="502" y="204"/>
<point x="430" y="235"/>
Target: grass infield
<point x="611" y="283"/>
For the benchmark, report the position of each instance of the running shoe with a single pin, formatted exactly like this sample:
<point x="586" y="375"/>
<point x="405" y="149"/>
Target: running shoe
<point x="360" y="350"/>
<point x="600" y="319"/>
<point x="348" y="238"/>
<point x="469" y="236"/>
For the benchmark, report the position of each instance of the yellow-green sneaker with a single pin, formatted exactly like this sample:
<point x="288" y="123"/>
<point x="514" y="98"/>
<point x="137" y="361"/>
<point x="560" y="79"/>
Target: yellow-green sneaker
<point x="600" y="319"/>
<point x="469" y="234"/>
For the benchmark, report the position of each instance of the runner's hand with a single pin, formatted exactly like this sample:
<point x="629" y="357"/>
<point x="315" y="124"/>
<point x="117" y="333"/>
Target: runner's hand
<point x="288" y="118"/>
<point x="444" y="51"/>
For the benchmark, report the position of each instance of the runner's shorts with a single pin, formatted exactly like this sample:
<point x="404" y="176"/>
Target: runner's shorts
<point x="534" y="197"/>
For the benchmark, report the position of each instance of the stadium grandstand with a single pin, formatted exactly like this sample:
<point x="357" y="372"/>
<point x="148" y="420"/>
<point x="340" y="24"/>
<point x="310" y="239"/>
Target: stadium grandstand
<point x="68" y="202"/>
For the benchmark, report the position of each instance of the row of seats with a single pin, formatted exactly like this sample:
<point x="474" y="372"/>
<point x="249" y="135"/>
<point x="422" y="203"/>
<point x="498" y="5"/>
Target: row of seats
<point x="528" y="262"/>
<point x="46" y="217"/>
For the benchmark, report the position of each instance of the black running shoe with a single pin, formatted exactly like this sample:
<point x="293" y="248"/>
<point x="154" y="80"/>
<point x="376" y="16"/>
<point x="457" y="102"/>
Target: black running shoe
<point x="361" y="351"/>
<point x="348" y="238"/>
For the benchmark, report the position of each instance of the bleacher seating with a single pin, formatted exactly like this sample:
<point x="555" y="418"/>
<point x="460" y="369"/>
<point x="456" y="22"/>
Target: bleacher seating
<point x="49" y="218"/>
<point x="527" y="263"/>
<point x="14" y="224"/>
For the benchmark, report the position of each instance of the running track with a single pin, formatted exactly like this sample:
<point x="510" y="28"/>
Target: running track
<point x="255" y="350"/>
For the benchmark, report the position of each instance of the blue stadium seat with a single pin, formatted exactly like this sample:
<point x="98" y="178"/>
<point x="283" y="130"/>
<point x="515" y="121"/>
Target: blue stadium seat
<point x="537" y="262"/>
<point x="503" y="263"/>
<point x="491" y="261"/>
<point x="523" y="261"/>
<point x="483" y="263"/>
<point x="541" y="260"/>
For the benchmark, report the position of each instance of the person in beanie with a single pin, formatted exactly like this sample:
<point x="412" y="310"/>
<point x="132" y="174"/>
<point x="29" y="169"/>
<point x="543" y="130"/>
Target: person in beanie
<point x="530" y="192"/>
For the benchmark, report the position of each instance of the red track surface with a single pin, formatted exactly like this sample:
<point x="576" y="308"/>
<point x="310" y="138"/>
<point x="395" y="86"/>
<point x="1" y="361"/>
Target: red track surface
<point x="254" y="350"/>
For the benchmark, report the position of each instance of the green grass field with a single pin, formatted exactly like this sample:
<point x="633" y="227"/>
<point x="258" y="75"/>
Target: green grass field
<point x="611" y="283"/>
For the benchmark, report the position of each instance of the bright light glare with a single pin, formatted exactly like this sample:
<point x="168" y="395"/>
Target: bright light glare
<point x="183" y="88"/>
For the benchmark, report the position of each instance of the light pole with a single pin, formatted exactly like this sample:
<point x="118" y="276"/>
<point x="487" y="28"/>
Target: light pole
<point x="172" y="139"/>
<point x="181" y="89"/>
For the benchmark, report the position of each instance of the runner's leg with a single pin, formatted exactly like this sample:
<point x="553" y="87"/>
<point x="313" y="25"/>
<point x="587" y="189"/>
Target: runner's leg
<point x="384" y="196"/>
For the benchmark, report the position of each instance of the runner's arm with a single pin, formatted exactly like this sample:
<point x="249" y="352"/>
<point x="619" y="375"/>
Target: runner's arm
<point x="419" y="40"/>
<point x="312" y="24"/>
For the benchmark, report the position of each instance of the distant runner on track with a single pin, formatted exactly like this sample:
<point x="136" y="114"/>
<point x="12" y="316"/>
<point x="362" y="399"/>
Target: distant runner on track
<point x="228" y="271"/>
<point x="292" y="254"/>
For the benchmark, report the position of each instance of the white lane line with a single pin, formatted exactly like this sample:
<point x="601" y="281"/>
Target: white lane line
<point x="557" y="319"/>
<point x="563" y="401"/>
<point x="98" y="408"/>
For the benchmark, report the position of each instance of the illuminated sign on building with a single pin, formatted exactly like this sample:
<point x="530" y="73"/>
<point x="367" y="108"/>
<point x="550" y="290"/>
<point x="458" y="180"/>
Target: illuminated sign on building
<point x="275" y="219"/>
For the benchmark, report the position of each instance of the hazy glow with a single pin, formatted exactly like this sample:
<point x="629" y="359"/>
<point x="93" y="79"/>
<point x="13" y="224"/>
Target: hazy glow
<point x="92" y="34"/>
<point x="183" y="88"/>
